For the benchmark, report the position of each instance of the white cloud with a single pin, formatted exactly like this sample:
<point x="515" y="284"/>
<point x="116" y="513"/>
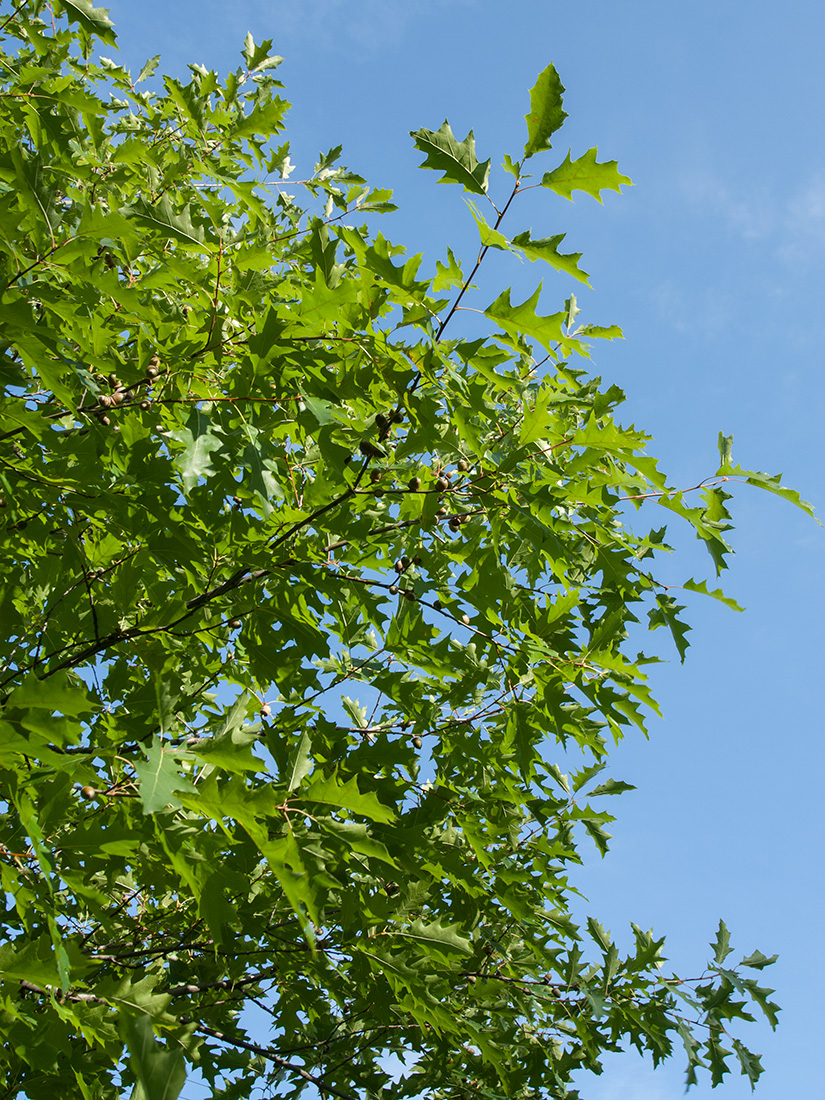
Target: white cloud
<point x="749" y="214"/>
<point x="370" y="25"/>
<point x="804" y="223"/>
<point x="792" y="225"/>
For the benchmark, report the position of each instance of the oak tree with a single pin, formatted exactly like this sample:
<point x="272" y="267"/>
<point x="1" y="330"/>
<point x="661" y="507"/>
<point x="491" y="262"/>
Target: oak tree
<point x="306" y="588"/>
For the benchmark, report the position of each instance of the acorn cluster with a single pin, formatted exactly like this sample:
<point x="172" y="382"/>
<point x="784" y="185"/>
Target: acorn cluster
<point x="121" y="395"/>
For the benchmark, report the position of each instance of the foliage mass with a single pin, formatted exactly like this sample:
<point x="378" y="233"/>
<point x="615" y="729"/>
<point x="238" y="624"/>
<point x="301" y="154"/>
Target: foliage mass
<point x="303" y="586"/>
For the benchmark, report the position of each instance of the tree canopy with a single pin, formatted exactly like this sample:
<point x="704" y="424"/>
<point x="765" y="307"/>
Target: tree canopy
<point x="310" y="581"/>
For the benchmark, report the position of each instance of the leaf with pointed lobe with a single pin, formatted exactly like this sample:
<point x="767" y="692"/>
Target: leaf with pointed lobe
<point x="169" y="223"/>
<point x="585" y="174"/>
<point x="666" y="613"/>
<point x="546" y="114"/>
<point x="148" y="69"/>
<point x="330" y="790"/>
<point x="159" y="778"/>
<point x="547" y="249"/>
<point x="490" y="237"/>
<point x="457" y="160"/>
<point x="758" y="961"/>
<point x="449" y="274"/>
<point x="522" y="319"/>
<point x="94" y="21"/>
<point x="715" y="593"/>
<point x="721" y="947"/>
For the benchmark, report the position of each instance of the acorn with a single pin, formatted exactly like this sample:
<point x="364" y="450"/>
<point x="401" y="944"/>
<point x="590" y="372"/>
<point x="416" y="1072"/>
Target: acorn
<point x="399" y="566"/>
<point x="471" y="978"/>
<point x="118" y="397"/>
<point x="371" y="450"/>
<point x="396" y="416"/>
<point x="113" y="382"/>
<point x="146" y="404"/>
<point x="381" y="421"/>
<point x="235" y="624"/>
<point x="405" y="562"/>
<point x="266" y="710"/>
<point x="416" y="742"/>
<point x="437" y="605"/>
<point x="375" y="475"/>
<point x="414" y="484"/>
<point x="88" y="793"/>
<point x="462" y="465"/>
<point x="2" y="502"/>
<point x="454" y="523"/>
<point x="105" y="421"/>
<point x="104" y="400"/>
<point x="465" y="619"/>
<point x="410" y="594"/>
<point x="393" y="589"/>
<point x="441" y="484"/>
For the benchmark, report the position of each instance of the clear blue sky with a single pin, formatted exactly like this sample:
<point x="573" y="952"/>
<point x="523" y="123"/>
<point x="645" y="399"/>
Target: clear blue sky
<point x="714" y="265"/>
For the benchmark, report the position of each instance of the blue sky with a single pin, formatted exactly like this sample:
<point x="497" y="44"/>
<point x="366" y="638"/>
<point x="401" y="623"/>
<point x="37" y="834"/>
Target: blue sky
<point x="714" y="265"/>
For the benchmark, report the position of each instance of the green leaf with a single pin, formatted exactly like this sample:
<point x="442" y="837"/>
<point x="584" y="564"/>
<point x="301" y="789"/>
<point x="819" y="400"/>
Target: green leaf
<point x="547" y="249"/>
<point x="31" y="961"/>
<point x="715" y="593"/>
<point x="546" y="114"/>
<point x="771" y="483"/>
<point x="161" y="1073"/>
<point x="301" y="764"/>
<point x="264" y="121"/>
<point x="455" y="159"/>
<point x="159" y="778"/>
<point x="168" y="223"/>
<point x="148" y="69"/>
<point x="284" y="857"/>
<point x="59" y="694"/>
<point x="329" y="789"/>
<point x="721" y="945"/>
<point x="585" y="174"/>
<point x="449" y="274"/>
<point x="598" y="834"/>
<point x="540" y="420"/>
<point x="666" y="613"/>
<point x="490" y="237"/>
<point x="436" y="933"/>
<point x="725" y="449"/>
<point x="750" y="1063"/>
<point x="199" y="442"/>
<point x="523" y="320"/>
<point x="611" y="786"/>
<point x="94" y="21"/>
<point x="758" y="961"/>
<point x="258" y="58"/>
